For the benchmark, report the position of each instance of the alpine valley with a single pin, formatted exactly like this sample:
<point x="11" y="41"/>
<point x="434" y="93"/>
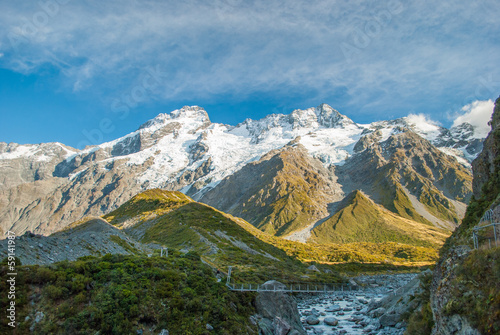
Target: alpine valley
<point x="304" y="176"/>
<point x="307" y="197"/>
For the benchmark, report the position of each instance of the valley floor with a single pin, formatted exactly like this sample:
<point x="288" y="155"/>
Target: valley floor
<point x="356" y="314"/>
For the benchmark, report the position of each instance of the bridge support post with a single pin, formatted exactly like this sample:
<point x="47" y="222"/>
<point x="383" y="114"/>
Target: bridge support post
<point x="495" y="234"/>
<point x="229" y="275"/>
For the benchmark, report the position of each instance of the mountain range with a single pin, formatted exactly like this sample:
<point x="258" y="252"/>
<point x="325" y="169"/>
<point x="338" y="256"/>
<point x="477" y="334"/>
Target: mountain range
<point x="304" y="176"/>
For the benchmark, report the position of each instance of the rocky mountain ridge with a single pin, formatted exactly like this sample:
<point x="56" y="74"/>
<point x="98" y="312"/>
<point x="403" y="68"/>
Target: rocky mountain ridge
<point x="182" y="151"/>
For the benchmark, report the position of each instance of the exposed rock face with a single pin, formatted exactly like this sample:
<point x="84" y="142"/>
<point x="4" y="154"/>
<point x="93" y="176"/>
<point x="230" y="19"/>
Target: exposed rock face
<point x="29" y="163"/>
<point x="284" y="191"/>
<point x="92" y="236"/>
<point x="485" y="165"/>
<point x="442" y="295"/>
<point x="392" y="309"/>
<point x="278" y="312"/>
<point x="49" y="205"/>
<point x="410" y="177"/>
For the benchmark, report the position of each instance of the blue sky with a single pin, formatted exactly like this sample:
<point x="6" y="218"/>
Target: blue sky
<point x="86" y="72"/>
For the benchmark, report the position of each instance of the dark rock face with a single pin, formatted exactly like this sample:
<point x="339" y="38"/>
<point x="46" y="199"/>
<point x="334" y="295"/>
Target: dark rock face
<point x="484" y="165"/>
<point x="442" y="295"/>
<point x="279" y="313"/>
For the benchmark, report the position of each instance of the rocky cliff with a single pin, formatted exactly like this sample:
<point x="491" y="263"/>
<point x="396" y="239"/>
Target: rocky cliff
<point x="465" y="295"/>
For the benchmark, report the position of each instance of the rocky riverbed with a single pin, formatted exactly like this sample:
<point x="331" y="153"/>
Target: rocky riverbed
<point x="378" y="309"/>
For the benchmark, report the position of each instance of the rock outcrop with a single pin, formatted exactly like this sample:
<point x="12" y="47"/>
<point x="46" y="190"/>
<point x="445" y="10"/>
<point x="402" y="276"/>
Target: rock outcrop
<point x="91" y="236"/>
<point x="443" y="296"/>
<point x="277" y="313"/>
<point x="463" y="278"/>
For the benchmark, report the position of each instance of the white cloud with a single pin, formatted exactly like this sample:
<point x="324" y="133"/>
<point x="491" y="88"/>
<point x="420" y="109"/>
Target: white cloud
<point x="422" y="122"/>
<point x="478" y="114"/>
<point x="239" y="48"/>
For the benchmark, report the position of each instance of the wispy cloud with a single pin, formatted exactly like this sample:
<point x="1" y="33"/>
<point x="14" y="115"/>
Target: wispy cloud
<point x="397" y="52"/>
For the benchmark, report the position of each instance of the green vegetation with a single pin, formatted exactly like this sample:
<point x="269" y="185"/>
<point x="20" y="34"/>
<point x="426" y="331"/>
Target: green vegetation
<point x="361" y="220"/>
<point x="476" y="290"/>
<point x="490" y="197"/>
<point x="152" y="201"/>
<point x="362" y="252"/>
<point x="257" y="256"/>
<point x="422" y="320"/>
<point x="222" y="239"/>
<point x="123" y="294"/>
<point x="397" y="201"/>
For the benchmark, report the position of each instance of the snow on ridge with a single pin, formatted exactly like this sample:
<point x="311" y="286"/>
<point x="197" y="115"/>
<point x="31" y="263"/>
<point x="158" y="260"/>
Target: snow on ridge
<point x="326" y="134"/>
<point x="42" y="152"/>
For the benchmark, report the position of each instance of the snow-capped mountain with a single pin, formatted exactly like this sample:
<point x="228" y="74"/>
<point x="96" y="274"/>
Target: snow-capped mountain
<point x="184" y="151"/>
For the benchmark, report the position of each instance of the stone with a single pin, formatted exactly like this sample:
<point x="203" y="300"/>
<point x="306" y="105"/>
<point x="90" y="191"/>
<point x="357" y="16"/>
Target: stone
<point x="209" y="327"/>
<point x="389" y="320"/>
<point x="334" y="308"/>
<point x="313" y="268"/>
<point x="377" y="312"/>
<point x="164" y="332"/>
<point x="312" y="320"/>
<point x="331" y="321"/>
<point x="272" y="305"/>
<point x="280" y="326"/>
<point x="39" y="317"/>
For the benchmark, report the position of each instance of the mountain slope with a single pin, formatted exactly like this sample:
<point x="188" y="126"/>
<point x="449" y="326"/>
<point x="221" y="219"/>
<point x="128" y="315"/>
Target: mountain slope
<point x="410" y="177"/>
<point x="47" y="186"/>
<point x="361" y="220"/>
<point x="91" y="236"/>
<point x="284" y="191"/>
<point x="157" y="217"/>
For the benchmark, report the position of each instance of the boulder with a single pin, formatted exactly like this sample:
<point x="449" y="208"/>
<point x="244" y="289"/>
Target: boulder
<point x="313" y="268"/>
<point x="334" y="308"/>
<point x="377" y="312"/>
<point x="312" y="320"/>
<point x="278" y="311"/>
<point x="390" y="320"/>
<point x="331" y="321"/>
<point x="280" y="326"/>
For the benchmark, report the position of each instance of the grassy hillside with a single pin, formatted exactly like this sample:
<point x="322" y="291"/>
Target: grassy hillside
<point x="225" y="240"/>
<point x="221" y="239"/>
<point x="361" y="220"/>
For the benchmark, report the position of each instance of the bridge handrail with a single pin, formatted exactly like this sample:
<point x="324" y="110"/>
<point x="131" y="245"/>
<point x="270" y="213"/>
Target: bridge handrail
<point x="305" y="288"/>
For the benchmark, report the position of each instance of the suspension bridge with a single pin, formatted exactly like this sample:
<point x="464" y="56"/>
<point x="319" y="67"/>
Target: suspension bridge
<point x="274" y="286"/>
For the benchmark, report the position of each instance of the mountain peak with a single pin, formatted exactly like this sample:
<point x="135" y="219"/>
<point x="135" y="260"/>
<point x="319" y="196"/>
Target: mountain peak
<point x="323" y="115"/>
<point x="195" y="113"/>
<point x="192" y="112"/>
